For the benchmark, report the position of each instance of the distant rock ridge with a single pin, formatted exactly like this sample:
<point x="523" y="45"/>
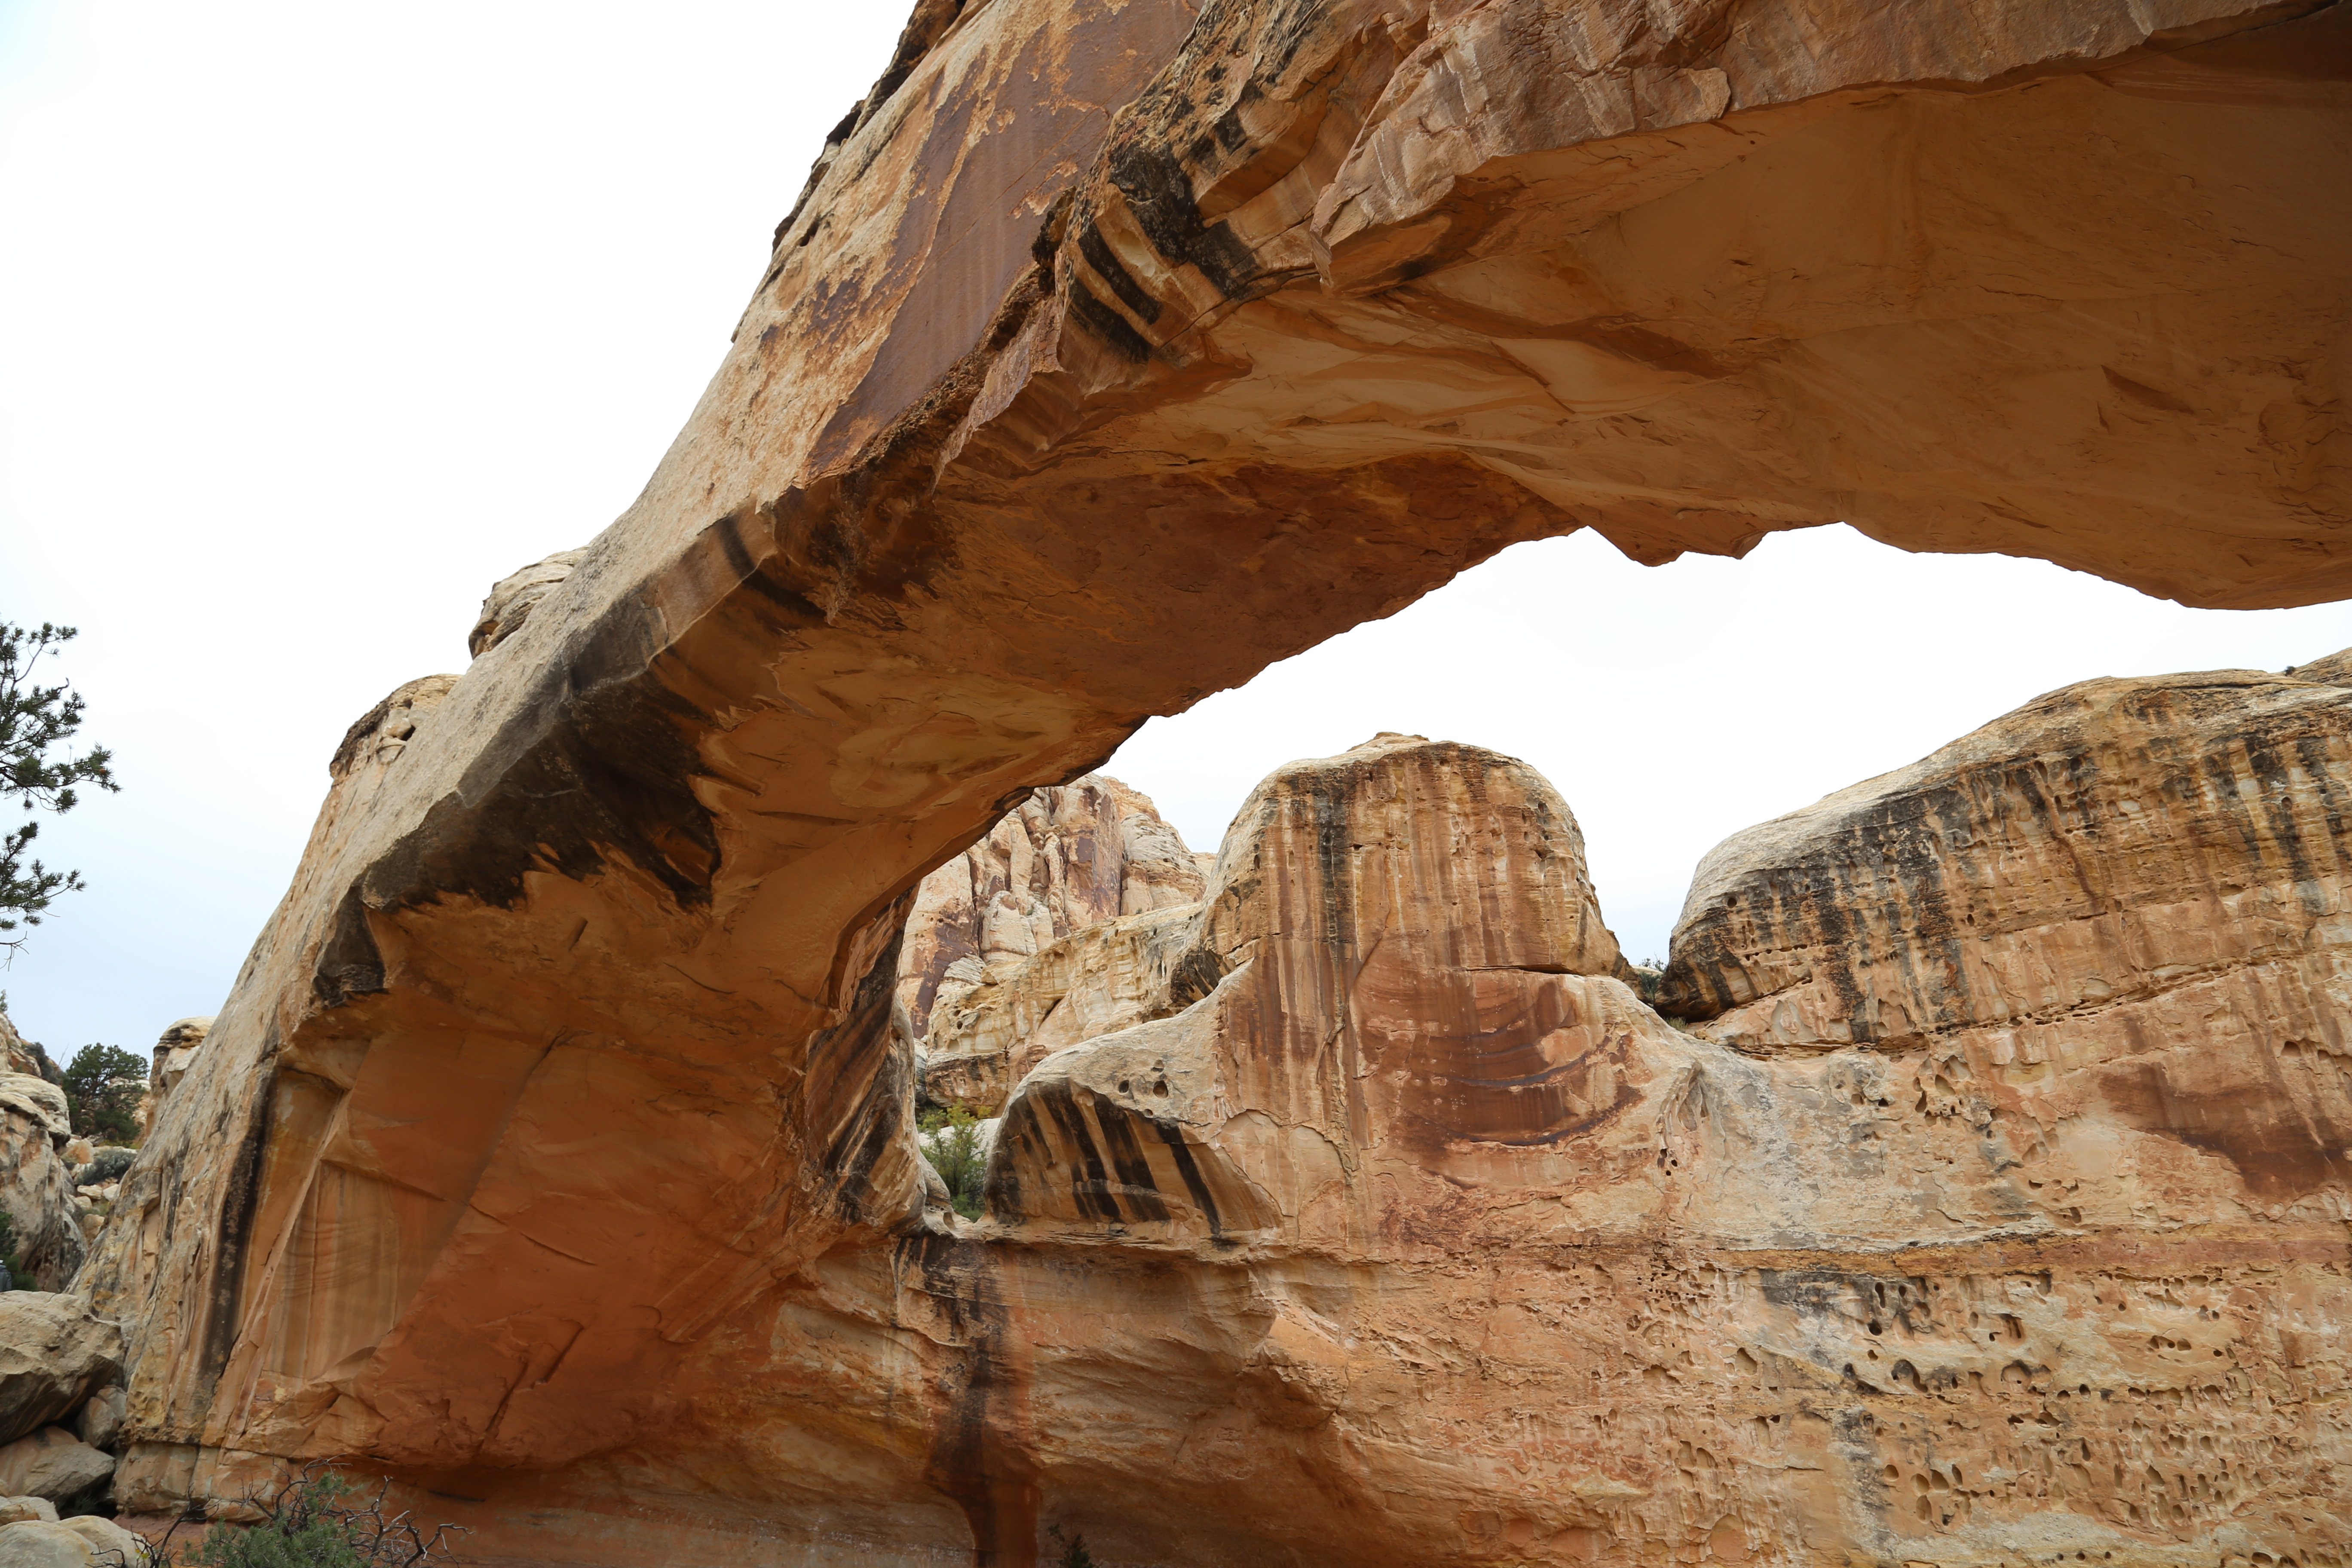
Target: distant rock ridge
<point x="1066" y="859"/>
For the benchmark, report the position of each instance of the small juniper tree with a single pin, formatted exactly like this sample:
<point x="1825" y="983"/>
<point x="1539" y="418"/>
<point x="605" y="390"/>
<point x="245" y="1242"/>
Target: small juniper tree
<point x="102" y="1084"/>
<point x="950" y="1142"/>
<point x="35" y="719"/>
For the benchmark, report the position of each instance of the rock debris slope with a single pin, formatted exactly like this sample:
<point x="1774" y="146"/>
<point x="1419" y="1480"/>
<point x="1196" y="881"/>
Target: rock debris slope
<point x="1111" y="354"/>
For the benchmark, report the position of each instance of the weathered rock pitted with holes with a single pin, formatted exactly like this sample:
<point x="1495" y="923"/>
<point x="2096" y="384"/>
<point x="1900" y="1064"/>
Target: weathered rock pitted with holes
<point x="2125" y="908"/>
<point x="553" y="1147"/>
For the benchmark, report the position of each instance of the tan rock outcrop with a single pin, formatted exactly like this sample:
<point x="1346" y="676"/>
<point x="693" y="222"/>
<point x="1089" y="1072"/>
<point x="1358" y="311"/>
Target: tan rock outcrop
<point x="39" y="1102"/>
<point x="512" y="597"/>
<point x="2116" y="923"/>
<point x="173" y="1051"/>
<point x="36" y="1183"/>
<point x="1385" y="967"/>
<point x="37" y="1191"/>
<point x="108" y="1542"/>
<point x="98" y="1423"/>
<point x="1467" y="1254"/>
<point x="1709" y="1272"/>
<point x="382" y="732"/>
<point x="54" y="1352"/>
<point x="81" y="1543"/>
<point x="43" y="1544"/>
<point x="2141" y="849"/>
<point x="1063" y="860"/>
<point x="18" y="1055"/>
<point x="554" y="1146"/>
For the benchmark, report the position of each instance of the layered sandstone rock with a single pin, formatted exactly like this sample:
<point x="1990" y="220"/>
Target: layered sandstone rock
<point x="2117" y="922"/>
<point x="1111" y="354"/>
<point x="1384" y="971"/>
<point x="1065" y="859"/>
<point x="1381" y="1200"/>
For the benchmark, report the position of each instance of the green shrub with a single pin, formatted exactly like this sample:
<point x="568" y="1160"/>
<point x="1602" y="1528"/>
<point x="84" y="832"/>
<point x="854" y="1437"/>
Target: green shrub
<point x="1074" y="1550"/>
<point x="317" y="1545"/>
<point x="102" y="1086"/>
<point x="318" y="1520"/>
<point x="950" y="1142"/>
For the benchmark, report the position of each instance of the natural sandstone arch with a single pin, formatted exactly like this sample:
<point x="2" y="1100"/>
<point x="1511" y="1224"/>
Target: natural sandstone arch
<point x="1111" y="354"/>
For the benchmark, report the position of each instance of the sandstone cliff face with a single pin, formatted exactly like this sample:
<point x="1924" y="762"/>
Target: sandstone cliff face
<point x="1380" y="975"/>
<point x="1111" y="354"/>
<point x="2105" y="934"/>
<point x="1787" y="1303"/>
<point x="2125" y="907"/>
<point x="1065" y="859"/>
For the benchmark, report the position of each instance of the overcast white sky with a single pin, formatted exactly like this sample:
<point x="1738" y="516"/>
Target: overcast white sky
<point x="314" y="319"/>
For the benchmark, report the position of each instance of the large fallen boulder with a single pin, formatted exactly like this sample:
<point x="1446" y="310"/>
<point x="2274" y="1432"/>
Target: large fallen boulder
<point x="99" y="1422"/>
<point x="42" y="1543"/>
<point x="52" y="1463"/>
<point x="82" y="1542"/>
<point x="53" y="1354"/>
<point x="108" y="1542"/>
